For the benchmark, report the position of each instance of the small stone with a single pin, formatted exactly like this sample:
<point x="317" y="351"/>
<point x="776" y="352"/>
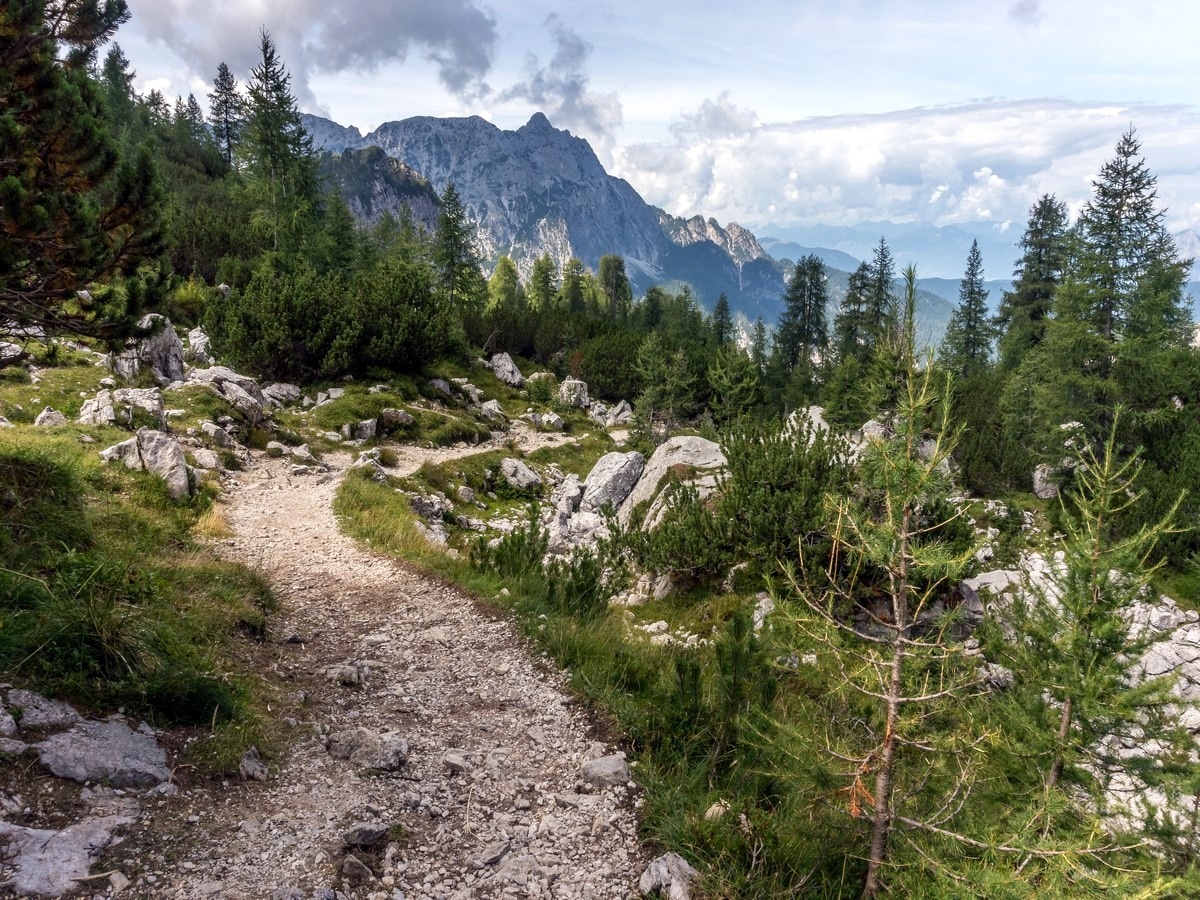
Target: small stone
<point x="356" y="870"/>
<point x="252" y="767"/>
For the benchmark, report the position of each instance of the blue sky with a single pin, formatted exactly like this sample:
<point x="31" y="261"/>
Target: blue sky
<point x="806" y="112"/>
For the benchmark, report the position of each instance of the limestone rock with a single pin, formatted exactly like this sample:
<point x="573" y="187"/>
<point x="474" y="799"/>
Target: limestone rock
<point x="519" y="475"/>
<point x="607" y="771"/>
<point x="506" y="370"/>
<point x="219" y="435"/>
<point x="552" y="421"/>
<point x="391" y="419"/>
<point x="365" y="834"/>
<point x="281" y="393"/>
<point x="199" y="348"/>
<point x="492" y="410"/>
<point x="160" y="350"/>
<point x="611" y="480"/>
<point x="109" y="751"/>
<point x="365" y="749"/>
<point x="669" y="876"/>
<point x="163" y="456"/>
<point x="47" y="863"/>
<point x="1044" y="487"/>
<point x="252" y="767"/>
<point x="682" y="454"/>
<point x="38" y="712"/>
<point x="125" y="453"/>
<point x="49" y="417"/>
<point x="243" y="401"/>
<point x="574" y="393"/>
<point x="207" y="460"/>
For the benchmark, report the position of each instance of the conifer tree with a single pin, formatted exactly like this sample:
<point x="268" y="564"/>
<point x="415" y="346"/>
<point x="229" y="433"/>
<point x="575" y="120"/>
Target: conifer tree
<point x="722" y="322"/>
<point x="758" y="345"/>
<point x="1024" y="310"/>
<point x="852" y="331"/>
<point x="543" y="283"/>
<point x="881" y="308"/>
<point x="277" y="152"/>
<point x="615" y="285"/>
<point x="571" y="295"/>
<point x="227" y="110"/>
<point x="117" y="80"/>
<point x="967" y="347"/>
<point x="72" y="210"/>
<point x="504" y="287"/>
<point x="455" y="254"/>
<point x="802" y="331"/>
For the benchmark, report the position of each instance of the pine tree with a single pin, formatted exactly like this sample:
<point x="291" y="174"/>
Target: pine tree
<point x="278" y="154"/>
<point x="1024" y="310"/>
<point x="73" y="211"/>
<point x="227" y="110"/>
<point x="967" y="347"/>
<point x="736" y="385"/>
<point x="758" y="345"/>
<point x="802" y="331"/>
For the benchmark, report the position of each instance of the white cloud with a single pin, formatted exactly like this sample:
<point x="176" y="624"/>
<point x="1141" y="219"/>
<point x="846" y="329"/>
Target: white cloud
<point x="988" y="160"/>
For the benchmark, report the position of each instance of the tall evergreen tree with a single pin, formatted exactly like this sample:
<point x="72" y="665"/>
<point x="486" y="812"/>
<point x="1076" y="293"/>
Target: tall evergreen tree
<point x="278" y="153"/>
<point x="722" y="322"/>
<point x="543" y="283"/>
<point x="1024" y="310"/>
<point x="572" y="293"/>
<point x="117" y="80"/>
<point x="615" y="285"/>
<point x="758" y="345"/>
<point x="802" y="329"/>
<point x="967" y="347"/>
<point x="851" y="326"/>
<point x="454" y="253"/>
<point x="227" y="111"/>
<point x="1123" y="241"/>
<point x="882" y="307"/>
<point x="72" y="209"/>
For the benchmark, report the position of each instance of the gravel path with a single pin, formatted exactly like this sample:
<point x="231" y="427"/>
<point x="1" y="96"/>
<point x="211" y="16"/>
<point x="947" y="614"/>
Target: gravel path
<point x="490" y="803"/>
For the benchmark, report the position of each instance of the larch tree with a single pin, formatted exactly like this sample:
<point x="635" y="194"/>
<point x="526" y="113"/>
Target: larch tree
<point x="802" y="330"/>
<point x="455" y="253"/>
<point x="851" y="326"/>
<point x="543" y="283"/>
<point x="615" y="284"/>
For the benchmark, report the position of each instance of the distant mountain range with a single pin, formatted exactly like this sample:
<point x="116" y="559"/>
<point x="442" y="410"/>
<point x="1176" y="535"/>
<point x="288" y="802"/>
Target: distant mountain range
<point x="539" y="190"/>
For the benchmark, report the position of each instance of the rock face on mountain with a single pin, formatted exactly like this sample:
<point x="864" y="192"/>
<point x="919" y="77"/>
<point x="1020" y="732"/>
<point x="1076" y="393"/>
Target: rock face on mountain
<point x="541" y="190"/>
<point x="374" y="183"/>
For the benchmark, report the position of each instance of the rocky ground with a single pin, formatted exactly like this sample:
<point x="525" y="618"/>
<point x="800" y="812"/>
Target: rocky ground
<point x="431" y="753"/>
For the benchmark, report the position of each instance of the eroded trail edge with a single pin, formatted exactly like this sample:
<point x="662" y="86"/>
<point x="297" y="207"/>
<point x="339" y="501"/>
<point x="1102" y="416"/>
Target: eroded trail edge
<point x="490" y="801"/>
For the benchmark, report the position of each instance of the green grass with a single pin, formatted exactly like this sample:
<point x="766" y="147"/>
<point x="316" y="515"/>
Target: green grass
<point x="107" y="600"/>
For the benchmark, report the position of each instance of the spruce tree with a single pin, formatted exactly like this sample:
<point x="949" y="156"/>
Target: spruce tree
<point x="1024" y="310"/>
<point x="280" y="165"/>
<point x="571" y="296"/>
<point x="758" y="345"/>
<point x="227" y="111"/>
<point x="802" y="331"/>
<point x="722" y="322"/>
<point x="967" y="347"/>
<point x="117" y="80"/>
<point x="543" y="283"/>
<point x="455" y="255"/>
<point x="615" y="285"/>
<point x="73" y="210"/>
<point x="851" y="325"/>
<point x="881" y="309"/>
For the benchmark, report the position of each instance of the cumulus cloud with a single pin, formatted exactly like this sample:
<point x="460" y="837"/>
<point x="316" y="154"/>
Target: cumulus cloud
<point x="985" y="161"/>
<point x="561" y="88"/>
<point x="313" y="36"/>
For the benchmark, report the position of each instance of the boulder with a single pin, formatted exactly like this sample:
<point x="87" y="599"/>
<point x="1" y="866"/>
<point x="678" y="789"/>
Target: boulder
<point x="51" y="863"/>
<point x="611" y="480"/>
<point x="696" y="457"/>
<point x="506" y="370"/>
<point x="391" y="419"/>
<point x="386" y="752"/>
<point x="552" y="421"/>
<point x="218" y="376"/>
<point x="520" y="475"/>
<point x="162" y="455"/>
<point x="199" y="348"/>
<point x="243" y="401"/>
<point x="109" y="752"/>
<point x="38" y="712"/>
<point x="441" y="385"/>
<point x="49" y="417"/>
<point x="621" y="414"/>
<point x="668" y="876"/>
<point x="207" y="459"/>
<point x="219" y="435"/>
<point x="1044" y="487"/>
<point x="98" y="411"/>
<point x="159" y="350"/>
<point x="360" y="431"/>
<point x="281" y="393"/>
<point x="492" y="410"/>
<point x="573" y="393"/>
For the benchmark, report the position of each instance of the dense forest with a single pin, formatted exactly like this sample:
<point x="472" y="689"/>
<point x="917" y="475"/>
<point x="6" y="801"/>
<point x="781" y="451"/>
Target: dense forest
<point x="884" y="758"/>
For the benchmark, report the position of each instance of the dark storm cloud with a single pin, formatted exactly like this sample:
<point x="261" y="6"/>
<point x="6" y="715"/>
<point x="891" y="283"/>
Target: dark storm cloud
<point x="313" y="36"/>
